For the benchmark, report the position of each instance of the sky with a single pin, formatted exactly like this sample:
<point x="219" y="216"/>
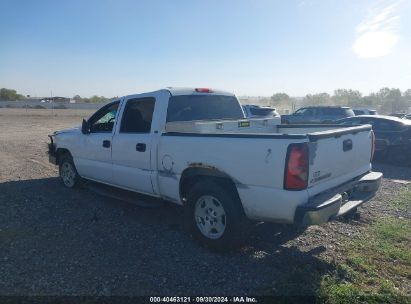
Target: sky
<point x="249" y="47"/>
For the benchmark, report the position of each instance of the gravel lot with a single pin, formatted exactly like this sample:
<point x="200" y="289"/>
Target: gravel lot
<point x="55" y="241"/>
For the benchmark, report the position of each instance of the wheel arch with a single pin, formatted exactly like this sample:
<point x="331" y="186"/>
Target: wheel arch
<point x="199" y="172"/>
<point x="60" y="152"/>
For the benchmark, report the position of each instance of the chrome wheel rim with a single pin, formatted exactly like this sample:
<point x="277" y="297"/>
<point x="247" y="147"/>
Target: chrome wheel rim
<point x="68" y="174"/>
<point x="210" y="216"/>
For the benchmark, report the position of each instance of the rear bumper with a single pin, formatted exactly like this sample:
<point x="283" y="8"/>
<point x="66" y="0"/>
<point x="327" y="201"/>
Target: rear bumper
<point x="339" y="201"/>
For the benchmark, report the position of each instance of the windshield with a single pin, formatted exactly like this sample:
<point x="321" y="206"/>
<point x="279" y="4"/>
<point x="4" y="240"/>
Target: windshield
<point x="203" y="107"/>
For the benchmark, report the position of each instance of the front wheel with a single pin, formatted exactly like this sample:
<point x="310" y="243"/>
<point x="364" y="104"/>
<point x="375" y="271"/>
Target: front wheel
<point x="68" y="172"/>
<point x="215" y="216"/>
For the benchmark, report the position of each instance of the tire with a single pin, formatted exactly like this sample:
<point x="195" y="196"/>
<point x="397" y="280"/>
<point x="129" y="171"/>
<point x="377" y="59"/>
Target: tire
<point x="214" y="216"/>
<point x="352" y="215"/>
<point x="68" y="172"/>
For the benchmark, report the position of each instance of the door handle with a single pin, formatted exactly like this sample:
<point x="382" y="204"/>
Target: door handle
<point x="347" y="145"/>
<point x="106" y="143"/>
<point x="140" y="147"/>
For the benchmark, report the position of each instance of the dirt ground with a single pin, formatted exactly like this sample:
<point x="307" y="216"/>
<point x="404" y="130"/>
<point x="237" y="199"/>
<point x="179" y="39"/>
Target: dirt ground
<point x="55" y="241"/>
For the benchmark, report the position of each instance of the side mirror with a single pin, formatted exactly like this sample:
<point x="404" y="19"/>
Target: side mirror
<point x="85" y="128"/>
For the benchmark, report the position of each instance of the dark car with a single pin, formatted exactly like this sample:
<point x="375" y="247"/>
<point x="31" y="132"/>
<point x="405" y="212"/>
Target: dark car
<point x="314" y="115"/>
<point x="393" y="136"/>
<point x="254" y="111"/>
<point x="364" y="111"/>
<point x="398" y="115"/>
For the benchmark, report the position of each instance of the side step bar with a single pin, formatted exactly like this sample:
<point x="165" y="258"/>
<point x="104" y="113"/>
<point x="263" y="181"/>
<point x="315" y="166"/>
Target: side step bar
<point x="140" y="200"/>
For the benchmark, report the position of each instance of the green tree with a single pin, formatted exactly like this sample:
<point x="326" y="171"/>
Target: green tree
<point x="391" y="101"/>
<point x="98" y="99"/>
<point x="347" y="97"/>
<point x="407" y="93"/>
<point x="77" y="98"/>
<point x="7" y="94"/>
<point x="277" y="97"/>
<point x="317" y="99"/>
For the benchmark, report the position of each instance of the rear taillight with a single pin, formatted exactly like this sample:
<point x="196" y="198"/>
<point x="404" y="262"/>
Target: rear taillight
<point x="372" y="145"/>
<point x="296" y="168"/>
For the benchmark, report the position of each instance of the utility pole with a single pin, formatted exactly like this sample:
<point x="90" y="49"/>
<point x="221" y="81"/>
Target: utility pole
<point x="52" y="103"/>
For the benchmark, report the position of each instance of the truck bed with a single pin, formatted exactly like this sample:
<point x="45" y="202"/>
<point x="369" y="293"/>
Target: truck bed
<point x="260" y="150"/>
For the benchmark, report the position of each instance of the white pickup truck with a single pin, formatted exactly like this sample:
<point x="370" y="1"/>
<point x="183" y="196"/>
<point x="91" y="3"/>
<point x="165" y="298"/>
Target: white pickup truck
<point x="194" y="147"/>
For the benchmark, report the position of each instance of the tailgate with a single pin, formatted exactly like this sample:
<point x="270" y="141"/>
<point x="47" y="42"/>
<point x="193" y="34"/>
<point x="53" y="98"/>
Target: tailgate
<point x="338" y="155"/>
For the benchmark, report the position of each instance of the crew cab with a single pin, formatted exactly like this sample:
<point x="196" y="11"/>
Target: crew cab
<point x="195" y="148"/>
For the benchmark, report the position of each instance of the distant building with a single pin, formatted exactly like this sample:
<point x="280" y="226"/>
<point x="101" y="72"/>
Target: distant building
<point x="56" y="99"/>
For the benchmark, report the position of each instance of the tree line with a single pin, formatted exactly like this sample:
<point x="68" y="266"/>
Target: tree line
<point x="93" y="99"/>
<point x="11" y="95"/>
<point x="386" y="100"/>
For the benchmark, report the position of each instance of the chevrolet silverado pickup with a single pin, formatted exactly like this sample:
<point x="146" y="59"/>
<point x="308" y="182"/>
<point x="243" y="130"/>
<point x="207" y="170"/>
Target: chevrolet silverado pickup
<point x="194" y="147"/>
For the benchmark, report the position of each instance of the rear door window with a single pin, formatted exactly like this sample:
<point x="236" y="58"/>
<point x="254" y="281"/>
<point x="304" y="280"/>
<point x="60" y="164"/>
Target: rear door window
<point x="344" y="112"/>
<point x="329" y="111"/>
<point x="138" y="115"/>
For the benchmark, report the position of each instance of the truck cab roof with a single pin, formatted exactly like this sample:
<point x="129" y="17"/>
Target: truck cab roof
<point x="174" y="91"/>
<point x="177" y="91"/>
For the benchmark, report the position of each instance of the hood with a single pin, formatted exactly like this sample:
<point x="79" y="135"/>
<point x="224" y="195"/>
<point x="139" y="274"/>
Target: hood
<point x="71" y="130"/>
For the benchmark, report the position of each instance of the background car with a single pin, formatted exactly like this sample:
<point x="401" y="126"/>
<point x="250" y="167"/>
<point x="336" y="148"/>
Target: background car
<point x="254" y="111"/>
<point x="408" y="116"/>
<point x="321" y="114"/>
<point x="398" y="115"/>
<point x="393" y="136"/>
<point x="364" y="111"/>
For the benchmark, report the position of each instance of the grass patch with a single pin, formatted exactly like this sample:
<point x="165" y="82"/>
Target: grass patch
<point x="403" y="200"/>
<point x="377" y="268"/>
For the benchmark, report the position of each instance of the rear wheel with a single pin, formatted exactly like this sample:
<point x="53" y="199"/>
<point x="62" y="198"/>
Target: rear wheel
<point x="214" y="215"/>
<point x="352" y="215"/>
<point x="68" y="172"/>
